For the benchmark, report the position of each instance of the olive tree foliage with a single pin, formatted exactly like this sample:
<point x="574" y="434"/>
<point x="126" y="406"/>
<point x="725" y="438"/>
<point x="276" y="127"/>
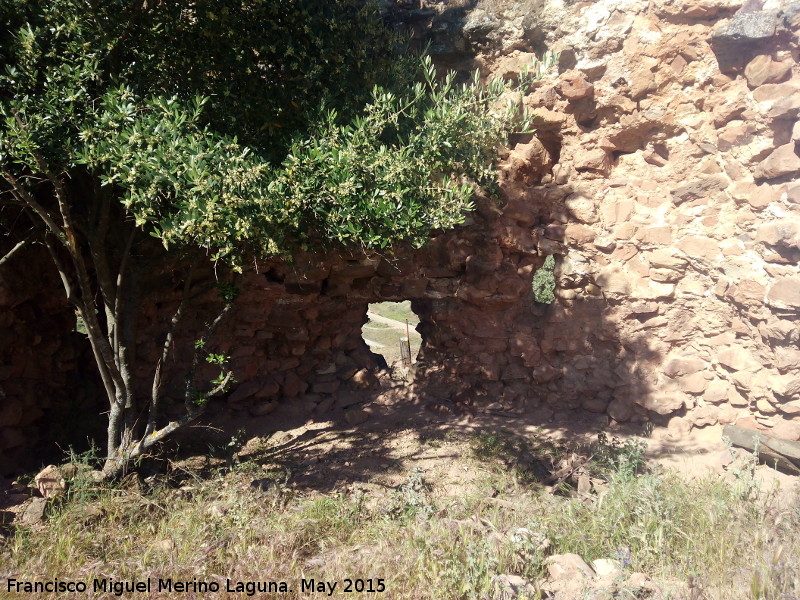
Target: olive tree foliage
<point x="226" y="128"/>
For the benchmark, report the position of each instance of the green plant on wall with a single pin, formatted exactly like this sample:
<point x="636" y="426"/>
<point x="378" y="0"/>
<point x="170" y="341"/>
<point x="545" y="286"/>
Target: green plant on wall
<point x="544" y="282"/>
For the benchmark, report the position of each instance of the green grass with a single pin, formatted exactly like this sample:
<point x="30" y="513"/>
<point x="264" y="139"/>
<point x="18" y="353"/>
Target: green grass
<point x="399" y="311"/>
<point x="731" y="538"/>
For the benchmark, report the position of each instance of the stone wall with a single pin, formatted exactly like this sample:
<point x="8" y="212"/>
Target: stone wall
<point x="663" y="177"/>
<point x="676" y="202"/>
<point x="295" y="332"/>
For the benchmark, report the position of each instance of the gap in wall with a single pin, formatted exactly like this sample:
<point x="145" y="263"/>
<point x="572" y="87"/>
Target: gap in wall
<point x="386" y="327"/>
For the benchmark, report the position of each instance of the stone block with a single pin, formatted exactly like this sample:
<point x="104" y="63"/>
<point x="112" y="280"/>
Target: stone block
<point x="762" y="69"/>
<point x="785" y="294"/>
<point x="781" y="162"/>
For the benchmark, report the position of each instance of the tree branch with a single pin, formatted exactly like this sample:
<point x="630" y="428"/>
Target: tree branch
<point x="189" y="400"/>
<point x="156" y="393"/>
<point x="121" y="281"/>
<point x="67" y="236"/>
<point x="22" y="194"/>
<point x="15" y="249"/>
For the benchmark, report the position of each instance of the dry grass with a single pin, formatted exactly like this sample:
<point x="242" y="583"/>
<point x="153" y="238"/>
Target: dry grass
<point x="729" y="537"/>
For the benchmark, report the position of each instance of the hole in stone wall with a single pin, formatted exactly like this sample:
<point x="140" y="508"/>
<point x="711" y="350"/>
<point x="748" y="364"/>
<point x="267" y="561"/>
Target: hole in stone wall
<point x="544" y="282"/>
<point x="385" y="331"/>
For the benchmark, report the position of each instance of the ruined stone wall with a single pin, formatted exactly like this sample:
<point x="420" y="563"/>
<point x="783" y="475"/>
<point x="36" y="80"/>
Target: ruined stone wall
<point x="662" y="175"/>
<point x="675" y="210"/>
<point x="295" y="332"/>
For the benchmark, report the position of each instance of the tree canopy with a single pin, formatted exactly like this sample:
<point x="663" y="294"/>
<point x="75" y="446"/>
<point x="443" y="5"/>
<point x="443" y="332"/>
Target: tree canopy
<point x="225" y="124"/>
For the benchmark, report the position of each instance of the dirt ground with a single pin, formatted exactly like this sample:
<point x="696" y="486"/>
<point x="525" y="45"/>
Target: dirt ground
<point x="371" y="439"/>
<point x="401" y="431"/>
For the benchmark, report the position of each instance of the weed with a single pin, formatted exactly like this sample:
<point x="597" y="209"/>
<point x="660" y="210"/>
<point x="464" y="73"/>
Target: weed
<point x="732" y="540"/>
<point x="612" y="456"/>
<point x="543" y="284"/>
<point x="412" y="497"/>
<point x="529" y="459"/>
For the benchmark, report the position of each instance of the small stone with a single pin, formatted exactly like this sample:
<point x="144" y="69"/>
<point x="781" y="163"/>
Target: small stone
<point x="787" y="105"/>
<point x="49" y="482"/>
<point x="679" y="366"/>
<point x="325" y="405"/>
<point x="325" y="387"/>
<point x="679" y="426"/>
<point x="642" y="81"/>
<point x="736" y="399"/>
<point x="509" y="587"/>
<point x="661" y="402"/>
<point x="618" y="211"/>
<point x="782" y="161"/>
<point x="747" y="27"/>
<point x="764" y="195"/>
<point x="34" y="512"/>
<point x="364" y="379"/>
<point x="747" y="293"/>
<point x="579" y="234"/>
<point x="573" y="86"/>
<point x="716" y="392"/>
<point x="665" y="258"/>
<point x="356" y="416"/>
<point x="561" y="566"/>
<point x="704" y="415"/>
<point x="762" y="69"/>
<point x="765" y="407"/>
<point x="787" y="430"/>
<point x="594" y="160"/>
<point x="785" y="294"/>
<point x="698" y="189"/>
<point x="736" y="359"/>
<point x="561" y="174"/>
<point x="791" y="408"/>
<point x="581" y="207"/>
<point x="660" y="236"/>
<point x="703" y="247"/>
<point x="265" y="484"/>
<point x="782" y="232"/>
<point x="693" y="384"/>
<point x="620" y="409"/>
<point x="264" y="408"/>
<point x="787" y="360"/>
<point x="606" y="568"/>
<point x="613" y="281"/>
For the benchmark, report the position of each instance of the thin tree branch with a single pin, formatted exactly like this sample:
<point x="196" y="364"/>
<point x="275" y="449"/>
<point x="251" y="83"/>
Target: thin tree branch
<point x="71" y="297"/>
<point x="121" y="281"/>
<point x="156" y="393"/>
<point x="22" y="194"/>
<point x="15" y="249"/>
<point x="189" y="400"/>
<point x="96" y="335"/>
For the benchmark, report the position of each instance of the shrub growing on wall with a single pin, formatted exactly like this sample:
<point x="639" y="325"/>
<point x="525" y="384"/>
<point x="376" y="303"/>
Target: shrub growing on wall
<point x="544" y="281"/>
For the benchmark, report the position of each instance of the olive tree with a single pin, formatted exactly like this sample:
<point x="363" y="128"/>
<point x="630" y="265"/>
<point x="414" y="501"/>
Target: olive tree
<point x="240" y="129"/>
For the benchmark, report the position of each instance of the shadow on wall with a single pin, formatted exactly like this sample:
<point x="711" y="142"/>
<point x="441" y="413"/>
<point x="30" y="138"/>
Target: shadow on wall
<point x="50" y="394"/>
